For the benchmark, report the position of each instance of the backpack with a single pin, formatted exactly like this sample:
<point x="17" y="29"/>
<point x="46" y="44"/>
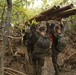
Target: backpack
<point x="42" y="45"/>
<point x="43" y="42"/>
<point x="62" y="41"/>
<point x="33" y="37"/>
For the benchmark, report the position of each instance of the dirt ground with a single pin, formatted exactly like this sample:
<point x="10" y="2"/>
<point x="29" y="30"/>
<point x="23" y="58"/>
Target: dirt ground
<point x="27" y="68"/>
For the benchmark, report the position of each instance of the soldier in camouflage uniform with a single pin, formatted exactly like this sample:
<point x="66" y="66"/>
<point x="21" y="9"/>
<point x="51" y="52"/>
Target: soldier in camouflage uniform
<point x="32" y="38"/>
<point x="55" y="51"/>
<point x="39" y="54"/>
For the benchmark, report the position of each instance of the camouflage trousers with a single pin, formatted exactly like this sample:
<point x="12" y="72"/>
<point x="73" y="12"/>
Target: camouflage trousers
<point x="37" y="66"/>
<point x="38" y="59"/>
<point x="30" y="50"/>
<point x="54" y="60"/>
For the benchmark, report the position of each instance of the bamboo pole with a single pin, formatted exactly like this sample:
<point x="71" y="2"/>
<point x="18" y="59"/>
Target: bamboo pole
<point x="50" y="13"/>
<point x="48" y="10"/>
<point x="70" y="6"/>
<point x="67" y="13"/>
<point x="41" y="15"/>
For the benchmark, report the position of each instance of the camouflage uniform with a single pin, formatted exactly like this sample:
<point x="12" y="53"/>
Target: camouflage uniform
<point x="31" y="40"/>
<point x="37" y="53"/>
<point x="54" y="55"/>
<point x="38" y="60"/>
<point x="30" y="45"/>
<point x="55" y="52"/>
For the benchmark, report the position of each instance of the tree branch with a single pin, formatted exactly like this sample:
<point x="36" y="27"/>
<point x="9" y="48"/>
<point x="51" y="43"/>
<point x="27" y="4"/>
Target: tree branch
<point x="14" y="71"/>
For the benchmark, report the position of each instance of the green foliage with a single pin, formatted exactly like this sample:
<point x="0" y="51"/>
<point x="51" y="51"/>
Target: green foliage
<point x="72" y="20"/>
<point x="59" y="2"/>
<point x="34" y="22"/>
<point x="2" y="9"/>
<point x="21" y="11"/>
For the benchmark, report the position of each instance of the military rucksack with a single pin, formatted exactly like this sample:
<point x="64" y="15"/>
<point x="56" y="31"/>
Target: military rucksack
<point x="43" y="44"/>
<point x="33" y="37"/>
<point x="62" y="41"/>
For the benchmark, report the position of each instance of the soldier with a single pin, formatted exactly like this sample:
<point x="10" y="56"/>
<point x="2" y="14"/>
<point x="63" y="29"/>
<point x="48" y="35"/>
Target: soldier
<point x="40" y="50"/>
<point x="26" y="35"/>
<point x="55" y="52"/>
<point x="55" y="49"/>
<point x="32" y="39"/>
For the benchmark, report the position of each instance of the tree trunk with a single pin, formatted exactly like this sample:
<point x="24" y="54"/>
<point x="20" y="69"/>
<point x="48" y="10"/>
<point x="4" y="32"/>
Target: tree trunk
<point x="5" y="36"/>
<point x="1" y="37"/>
<point x="2" y="15"/>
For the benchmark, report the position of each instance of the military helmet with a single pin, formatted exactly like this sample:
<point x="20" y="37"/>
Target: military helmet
<point x="42" y="28"/>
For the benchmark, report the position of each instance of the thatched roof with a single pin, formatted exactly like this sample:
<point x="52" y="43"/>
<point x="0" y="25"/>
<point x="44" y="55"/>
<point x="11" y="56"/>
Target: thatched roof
<point x="55" y="13"/>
